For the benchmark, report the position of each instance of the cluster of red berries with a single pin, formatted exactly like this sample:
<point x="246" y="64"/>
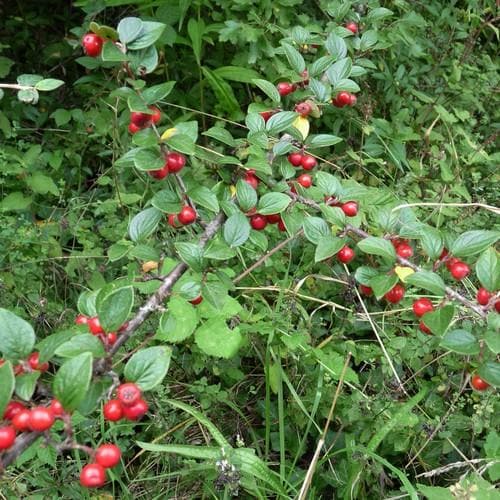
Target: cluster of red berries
<point x="350" y="208"/>
<point x="93" y="475"/>
<point x="298" y="159"/>
<point x="403" y="248"/>
<point x="23" y="419"/>
<point x="259" y="222"/>
<point x="174" y="163"/>
<point x="128" y="404"/>
<point x="139" y="121"/>
<point x="31" y="364"/>
<point x="186" y="216"/>
<point x="95" y="328"/>
<point x="344" y="99"/>
<point x="92" y="44"/>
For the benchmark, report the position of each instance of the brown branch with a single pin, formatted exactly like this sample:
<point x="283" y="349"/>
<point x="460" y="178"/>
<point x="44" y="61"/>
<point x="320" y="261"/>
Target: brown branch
<point x="22" y="442"/>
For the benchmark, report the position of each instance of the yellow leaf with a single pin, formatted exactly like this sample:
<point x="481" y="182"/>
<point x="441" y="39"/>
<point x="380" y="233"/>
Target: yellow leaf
<point x="150" y="265"/>
<point x="168" y="133"/>
<point x="302" y="125"/>
<point x="403" y="272"/>
<point x="232" y="190"/>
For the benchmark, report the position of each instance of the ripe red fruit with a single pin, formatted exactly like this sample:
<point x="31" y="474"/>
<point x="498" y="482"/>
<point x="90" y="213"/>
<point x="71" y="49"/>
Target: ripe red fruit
<point x="139" y="119"/>
<point x="422" y="306"/>
<point x="346" y="254"/>
<point x="451" y="262"/>
<point x="303" y="108"/>
<point x="160" y="173"/>
<point x="342" y="99"/>
<point x="352" y="26"/>
<point x="478" y="383"/>
<point x="94" y="325"/>
<point x="128" y="393"/>
<point x="352" y="99"/>
<point x="113" y="410"/>
<point x="93" y="476"/>
<point x="273" y="218"/>
<point x="81" y="320"/>
<point x="295" y="159"/>
<point x="395" y="294"/>
<point x="13" y="408"/>
<point x="404" y="250"/>
<point x="281" y="225"/>
<point x="258" y="222"/>
<point x="252" y="180"/>
<point x="483" y="296"/>
<point x="365" y="290"/>
<point x="136" y="411"/>
<point x="108" y="455"/>
<point x="172" y="221"/>
<point x="41" y="419"/>
<point x="92" y="44"/>
<point x="266" y="115"/>
<point x="424" y="328"/>
<point x="285" y="88"/>
<point x="197" y="300"/>
<point x="111" y="338"/>
<point x="34" y="362"/>
<point x="175" y="162"/>
<point x="444" y="253"/>
<point x="56" y="407"/>
<point x="133" y="128"/>
<point x="305" y="180"/>
<point x="21" y="422"/>
<point x="497" y="306"/>
<point x="350" y="208"/>
<point x="186" y="216"/>
<point x="459" y="270"/>
<point x="7" y="437"/>
<point x="156" y="116"/>
<point x="308" y="162"/>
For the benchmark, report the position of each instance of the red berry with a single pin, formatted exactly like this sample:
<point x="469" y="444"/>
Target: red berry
<point x="478" y="383"/>
<point x="108" y="455"/>
<point x="451" y="262"/>
<point x="139" y="119"/>
<point x="273" y="218"/>
<point x="7" y="437"/>
<point x="156" y="116"/>
<point x="308" y="162"/>
<point x="303" y="108"/>
<point x="281" y="225"/>
<point x="422" y="306"/>
<point x="94" y="325"/>
<point x="350" y="208"/>
<point x="160" y="173"/>
<point x="133" y="128"/>
<point x="34" y="362"/>
<point x="93" y="476"/>
<point x="352" y="99"/>
<point x="128" y="393"/>
<point x="175" y="162"/>
<point x="404" y="250"/>
<point x="305" y="73"/>
<point x="395" y="294"/>
<point x="252" y="180"/>
<point x="285" y="88"/>
<point x="459" y="270"/>
<point x="111" y="338"/>
<point x="41" y="419"/>
<point x="123" y="327"/>
<point x="497" y="306"/>
<point x="258" y="222"/>
<point x="186" y="216"/>
<point x="13" y="408"/>
<point x="56" y="407"/>
<point x="444" y="253"/>
<point x="352" y="26"/>
<point x="483" y="296"/>
<point x="112" y="410"/>
<point x="342" y="99"/>
<point x="21" y="422"/>
<point x="81" y="320"/>
<point x="172" y="221"/>
<point x="305" y="180"/>
<point x="346" y="254"/>
<point x="92" y="44"/>
<point x="423" y="328"/>
<point x="266" y="115"/>
<point x="197" y="300"/>
<point x="136" y="411"/>
<point x="365" y="290"/>
<point x="295" y="159"/>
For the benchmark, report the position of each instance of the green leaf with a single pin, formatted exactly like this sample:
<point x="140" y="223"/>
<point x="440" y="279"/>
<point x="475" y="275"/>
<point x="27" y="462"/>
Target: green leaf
<point x="323" y="140"/>
<point x="327" y="246"/>
<point x="111" y="53"/>
<point x="144" y="224"/>
<point x="7" y="386"/>
<point x="378" y="246"/>
<point x="221" y="134"/>
<point x="81" y="343"/>
<point x="364" y="274"/>
<point x="460" y="341"/>
<point x="269" y="89"/>
<point x="294" y="58"/>
<point x="196" y="29"/>
<point x="211" y="453"/>
<point x="223" y="92"/>
<point x="216" y="339"/>
<point x="114" y="308"/>
<point x="346" y="85"/>
<point x="368" y="39"/>
<point x="236" y="230"/>
<point x="315" y="228"/>
<point x="382" y="283"/>
<point x="191" y="254"/>
<point x="15" y="201"/>
<point x="167" y="201"/>
<point x="150" y="32"/>
<point x="328" y="183"/>
<point x="72" y="381"/>
<point x="17" y="337"/>
<point x="48" y="84"/>
<point x="246" y="195"/>
<point x="439" y="320"/>
<point x="336" y="46"/>
<point x="203" y="196"/>
<point x="148" y="367"/>
<point x="273" y="203"/>
<point x="29" y="96"/>
<point x="182" y="143"/>
<point x="179" y="321"/>
<point x="157" y="92"/>
<point x="435" y="492"/>
<point x="378" y="13"/>
<point x="473" y="242"/>
<point x="255" y="123"/>
<point x="280" y="121"/>
<point x="148" y="159"/>
<point x="428" y="281"/>
<point x="432" y="241"/>
<point x="42" y="184"/>
<point x="488" y="269"/>
<point x="26" y="385"/>
<point x="129" y="28"/>
<point x="215" y="293"/>
<point x="492" y="340"/>
<point x="47" y="347"/>
<point x="237" y="74"/>
<point x="490" y="371"/>
<point x="339" y="71"/>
